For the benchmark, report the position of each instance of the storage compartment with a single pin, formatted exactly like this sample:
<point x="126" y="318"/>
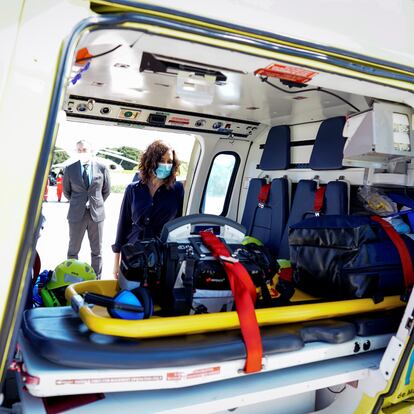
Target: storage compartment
<point x="380" y="136"/>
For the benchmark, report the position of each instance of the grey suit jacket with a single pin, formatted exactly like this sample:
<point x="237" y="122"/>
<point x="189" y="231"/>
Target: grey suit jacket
<point x="75" y="191"/>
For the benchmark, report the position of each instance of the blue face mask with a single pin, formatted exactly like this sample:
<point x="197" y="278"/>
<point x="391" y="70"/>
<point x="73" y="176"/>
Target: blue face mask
<point x="163" y="171"/>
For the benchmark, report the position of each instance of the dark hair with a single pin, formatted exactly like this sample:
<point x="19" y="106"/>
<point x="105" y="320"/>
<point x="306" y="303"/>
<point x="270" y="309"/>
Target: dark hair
<point x="150" y="159"/>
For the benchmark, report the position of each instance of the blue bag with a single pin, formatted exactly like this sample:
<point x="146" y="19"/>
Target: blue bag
<point x="344" y="257"/>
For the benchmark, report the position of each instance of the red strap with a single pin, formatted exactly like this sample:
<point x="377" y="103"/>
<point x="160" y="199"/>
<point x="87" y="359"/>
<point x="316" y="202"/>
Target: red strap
<point x="319" y="196"/>
<point x="244" y="293"/>
<point x="264" y="193"/>
<point x="407" y="265"/>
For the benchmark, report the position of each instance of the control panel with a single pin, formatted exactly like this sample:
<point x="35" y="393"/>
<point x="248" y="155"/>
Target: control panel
<point x="142" y="116"/>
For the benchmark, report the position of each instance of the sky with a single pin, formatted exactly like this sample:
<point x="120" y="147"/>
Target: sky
<point x="106" y="136"/>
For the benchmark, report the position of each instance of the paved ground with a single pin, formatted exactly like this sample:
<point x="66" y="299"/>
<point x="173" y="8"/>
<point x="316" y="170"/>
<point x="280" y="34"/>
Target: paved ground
<point x="53" y="242"/>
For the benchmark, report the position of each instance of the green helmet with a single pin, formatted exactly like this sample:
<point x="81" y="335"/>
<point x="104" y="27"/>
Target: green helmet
<point x="283" y="263"/>
<point x="70" y="271"/>
<point x="251" y="240"/>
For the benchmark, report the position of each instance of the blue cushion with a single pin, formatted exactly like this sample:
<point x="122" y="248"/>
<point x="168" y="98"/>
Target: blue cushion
<point x="327" y="153"/>
<point x="276" y="152"/>
<point x="268" y="223"/>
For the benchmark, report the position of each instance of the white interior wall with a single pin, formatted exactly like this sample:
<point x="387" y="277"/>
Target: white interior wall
<point x="207" y="143"/>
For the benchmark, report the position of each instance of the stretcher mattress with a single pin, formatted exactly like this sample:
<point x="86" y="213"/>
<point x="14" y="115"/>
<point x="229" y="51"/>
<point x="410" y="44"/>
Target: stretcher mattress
<point x="61" y="356"/>
<point x="61" y="337"/>
<point x="43" y="378"/>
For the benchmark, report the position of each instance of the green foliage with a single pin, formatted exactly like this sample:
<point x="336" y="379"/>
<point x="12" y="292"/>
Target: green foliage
<point x="120" y="188"/>
<point x="59" y="155"/>
<point x="128" y="152"/>
<point x="219" y="178"/>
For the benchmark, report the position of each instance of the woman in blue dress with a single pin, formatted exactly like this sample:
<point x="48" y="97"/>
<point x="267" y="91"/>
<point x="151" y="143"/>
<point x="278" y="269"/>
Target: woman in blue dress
<point x="152" y="201"/>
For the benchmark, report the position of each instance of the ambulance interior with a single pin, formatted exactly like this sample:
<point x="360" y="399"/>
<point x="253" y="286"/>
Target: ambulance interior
<point x="274" y="123"/>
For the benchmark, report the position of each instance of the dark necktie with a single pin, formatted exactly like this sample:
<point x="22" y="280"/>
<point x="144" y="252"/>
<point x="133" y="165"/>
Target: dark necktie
<point x="85" y="175"/>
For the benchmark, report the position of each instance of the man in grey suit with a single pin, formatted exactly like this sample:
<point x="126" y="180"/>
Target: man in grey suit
<point x="86" y="185"/>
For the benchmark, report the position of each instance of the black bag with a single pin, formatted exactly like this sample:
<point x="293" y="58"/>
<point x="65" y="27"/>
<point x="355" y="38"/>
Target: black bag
<point x="185" y="278"/>
<point x="196" y="282"/>
<point x="344" y="257"/>
<point x="142" y="262"/>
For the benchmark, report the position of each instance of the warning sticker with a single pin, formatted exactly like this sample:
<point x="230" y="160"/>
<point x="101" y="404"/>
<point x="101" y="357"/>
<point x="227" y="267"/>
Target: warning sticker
<point x="175" y="376"/>
<point x="290" y="73"/>
<point x="205" y="372"/>
<point x="197" y="373"/>
<point x="108" y="380"/>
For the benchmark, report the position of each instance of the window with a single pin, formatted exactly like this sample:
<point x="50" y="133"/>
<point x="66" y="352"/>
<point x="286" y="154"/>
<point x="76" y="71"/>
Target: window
<point x="220" y="183"/>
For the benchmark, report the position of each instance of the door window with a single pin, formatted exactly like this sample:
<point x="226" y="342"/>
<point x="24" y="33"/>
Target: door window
<point x="220" y="183"/>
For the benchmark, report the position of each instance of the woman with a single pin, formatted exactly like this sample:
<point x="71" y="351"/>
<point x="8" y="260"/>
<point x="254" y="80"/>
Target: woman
<point x="152" y="201"/>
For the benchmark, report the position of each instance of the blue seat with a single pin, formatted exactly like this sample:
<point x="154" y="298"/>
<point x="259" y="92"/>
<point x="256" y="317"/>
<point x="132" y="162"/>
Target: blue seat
<point x="276" y="151"/>
<point x="267" y="221"/>
<point x="335" y="202"/>
<point x="327" y="154"/>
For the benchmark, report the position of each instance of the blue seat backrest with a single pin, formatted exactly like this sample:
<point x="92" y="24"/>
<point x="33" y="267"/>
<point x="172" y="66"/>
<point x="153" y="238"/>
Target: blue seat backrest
<point x="267" y="223"/>
<point x="335" y="202"/>
<point x="276" y="151"/>
<point x="327" y="152"/>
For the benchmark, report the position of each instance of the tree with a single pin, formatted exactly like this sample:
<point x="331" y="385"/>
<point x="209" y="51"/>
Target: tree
<point x="59" y="156"/>
<point x="128" y="152"/>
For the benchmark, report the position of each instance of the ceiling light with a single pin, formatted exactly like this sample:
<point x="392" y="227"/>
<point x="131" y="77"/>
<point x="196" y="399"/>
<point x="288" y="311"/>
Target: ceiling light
<point x="198" y="90"/>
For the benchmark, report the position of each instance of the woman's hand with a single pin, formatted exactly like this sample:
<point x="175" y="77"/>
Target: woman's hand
<point x="117" y="262"/>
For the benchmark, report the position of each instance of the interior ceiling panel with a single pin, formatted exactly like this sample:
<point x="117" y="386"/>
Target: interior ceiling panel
<point x="116" y="76"/>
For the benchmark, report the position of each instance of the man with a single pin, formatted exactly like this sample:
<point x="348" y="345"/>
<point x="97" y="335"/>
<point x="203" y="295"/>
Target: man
<point x="86" y="185"/>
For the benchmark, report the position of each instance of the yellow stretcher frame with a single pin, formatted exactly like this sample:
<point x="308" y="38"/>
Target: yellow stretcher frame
<point x="193" y="324"/>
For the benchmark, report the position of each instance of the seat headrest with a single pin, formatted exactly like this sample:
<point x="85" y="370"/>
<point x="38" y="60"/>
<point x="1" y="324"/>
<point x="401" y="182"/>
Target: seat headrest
<point x="276" y="152"/>
<point x="327" y="152"/>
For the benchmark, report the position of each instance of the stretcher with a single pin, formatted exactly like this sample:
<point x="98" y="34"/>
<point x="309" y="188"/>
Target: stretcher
<point x="98" y="320"/>
<point x="81" y="349"/>
<point x="61" y="356"/>
<point x="182" y="230"/>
